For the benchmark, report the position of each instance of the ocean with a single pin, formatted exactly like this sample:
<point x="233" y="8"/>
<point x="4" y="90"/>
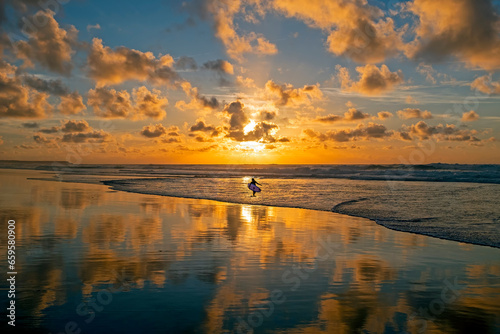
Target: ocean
<point x="449" y="201"/>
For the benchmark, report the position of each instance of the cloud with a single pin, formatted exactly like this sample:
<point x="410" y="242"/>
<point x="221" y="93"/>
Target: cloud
<point x="75" y="126"/>
<point x="470" y="116"/>
<point x="236" y="45"/>
<point x="356" y="29"/>
<point x="465" y="29"/>
<point x="411" y="100"/>
<point x="286" y="95"/>
<point x="39" y="139"/>
<point x="71" y="104"/>
<point x="201" y="126"/>
<point x="54" y="87"/>
<point x="444" y="132"/>
<point x="149" y="103"/>
<point x="18" y="101"/>
<point x="245" y="82"/>
<point x="153" y="131"/>
<point x="81" y="137"/>
<point x="198" y="101"/>
<point x="110" y="67"/>
<point x="51" y="130"/>
<point x="372" y="80"/>
<point x="486" y="85"/>
<point x="351" y="115"/>
<point x="238" y="118"/>
<point x="361" y="132"/>
<point x="266" y="115"/>
<point x="186" y="63"/>
<point x="30" y="125"/>
<point x="384" y="115"/>
<point x="428" y="71"/>
<point x="96" y="26"/>
<point x="220" y="66"/>
<point x="173" y="131"/>
<point x="109" y="103"/>
<point x="411" y="113"/>
<point x="48" y="44"/>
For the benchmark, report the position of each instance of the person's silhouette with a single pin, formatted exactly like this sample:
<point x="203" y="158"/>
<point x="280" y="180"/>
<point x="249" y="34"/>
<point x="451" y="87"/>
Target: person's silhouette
<point x="254" y="183"/>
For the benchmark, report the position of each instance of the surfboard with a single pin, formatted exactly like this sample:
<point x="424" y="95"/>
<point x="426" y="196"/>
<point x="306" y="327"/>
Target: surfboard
<point x="253" y="187"/>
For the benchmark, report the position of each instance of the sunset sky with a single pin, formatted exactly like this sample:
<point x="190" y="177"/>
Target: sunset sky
<point x="228" y="81"/>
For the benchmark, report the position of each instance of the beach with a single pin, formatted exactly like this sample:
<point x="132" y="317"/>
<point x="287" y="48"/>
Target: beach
<point x="103" y="261"/>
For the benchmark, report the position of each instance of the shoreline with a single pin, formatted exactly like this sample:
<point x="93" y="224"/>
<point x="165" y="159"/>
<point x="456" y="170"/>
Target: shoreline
<point x="111" y="184"/>
<point x="229" y="261"/>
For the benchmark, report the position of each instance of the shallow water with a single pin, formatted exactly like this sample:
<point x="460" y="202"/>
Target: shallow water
<point x="120" y="262"/>
<point x="460" y="211"/>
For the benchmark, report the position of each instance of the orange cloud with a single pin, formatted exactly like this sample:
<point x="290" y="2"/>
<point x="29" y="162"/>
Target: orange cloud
<point x="410" y="113"/>
<point x="486" y="85"/>
<point x="356" y="29"/>
<point x="149" y="103"/>
<point x="466" y="29"/>
<point x="198" y="101"/>
<point x="384" y="115"/>
<point x="83" y="137"/>
<point x="71" y="104"/>
<point x="109" y="103"/>
<point x="470" y="116"/>
<point x="286" y="95"/>
<point x="236" y="45"/>
<point x="372" y="80"/>
<point x="48" y="44"/>
<point x="444" y="132"/>
<point x="351" y="115"/>
<point x="153" y="131"/>
<point x="361" y="132"/>
<point x="219" y="65"/>
<point x="75" y="126"/>
<point x="18" y="101"/>
<point x="109" y="67"/>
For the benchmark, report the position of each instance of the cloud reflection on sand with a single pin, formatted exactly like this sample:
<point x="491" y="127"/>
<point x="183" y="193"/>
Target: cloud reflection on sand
<point x="207" y="266"/>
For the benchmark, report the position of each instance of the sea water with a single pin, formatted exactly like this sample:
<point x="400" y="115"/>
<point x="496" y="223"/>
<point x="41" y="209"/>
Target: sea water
<point x="449" y="201"/>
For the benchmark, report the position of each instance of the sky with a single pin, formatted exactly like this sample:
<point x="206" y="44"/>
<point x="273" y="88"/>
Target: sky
<point x="255" y="81"/>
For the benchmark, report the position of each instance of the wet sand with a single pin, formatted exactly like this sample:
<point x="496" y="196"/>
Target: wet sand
<point x="114" y="262"/>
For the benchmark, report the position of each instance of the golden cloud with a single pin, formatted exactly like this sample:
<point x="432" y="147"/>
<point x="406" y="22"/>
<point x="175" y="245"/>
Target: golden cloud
<point x="18" y="101"/>
<point x="447" y="132"/>
<point x="351" y="115"/>
<point x="486" y="85"/>
<point x="411" y="113"/>
<point x="470" y="116"/>
<point x="384" y="115"/>
<point x="372" y="80"/>
<point x="287" y="95"/>
<point x="198" y="101"/>
<point x="48" y="44"/>
<point x="361" y="132"/>
<point x="466" y="29"/>
<point x="236" y="45"/>
<point x="109" y="67"/>
<point x="153" y="131"/>
<point x="109" y="103"/>
<point x="71" y="104"/>
<point x="356" y="29"/>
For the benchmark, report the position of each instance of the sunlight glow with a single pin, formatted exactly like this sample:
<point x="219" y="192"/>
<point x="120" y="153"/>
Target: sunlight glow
<point x="251" y="146"/>
<point x="249" y="127"/>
